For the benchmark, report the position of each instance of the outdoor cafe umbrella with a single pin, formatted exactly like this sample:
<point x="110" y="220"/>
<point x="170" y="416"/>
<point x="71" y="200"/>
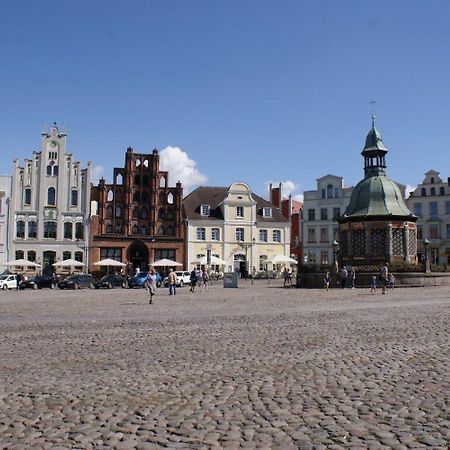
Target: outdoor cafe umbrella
<point x="68" y="263"/>
<point x="214" y="260"/>
<point x="22" y="262"/>
<point x="280" y="259"/>
<point x="108" y="262"/>
<point x="166" y="263"/>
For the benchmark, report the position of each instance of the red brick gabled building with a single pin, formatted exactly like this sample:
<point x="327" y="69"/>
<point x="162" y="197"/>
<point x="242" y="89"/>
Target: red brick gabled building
<point x="292" y="210"/>
<point x="139" y="217"/>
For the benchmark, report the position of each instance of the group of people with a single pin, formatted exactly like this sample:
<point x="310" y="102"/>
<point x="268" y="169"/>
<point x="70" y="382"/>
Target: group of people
<point x="197" y="277"/>
<point x="347" y="278"/>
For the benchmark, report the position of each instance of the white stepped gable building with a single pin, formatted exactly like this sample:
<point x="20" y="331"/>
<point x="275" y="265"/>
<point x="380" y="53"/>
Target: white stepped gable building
<point x="50" y="205"/>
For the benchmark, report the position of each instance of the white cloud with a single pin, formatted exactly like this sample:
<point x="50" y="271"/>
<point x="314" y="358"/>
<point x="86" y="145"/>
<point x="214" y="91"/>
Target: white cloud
<point x="180" y="168"/>
<point x="409" y="189"/>
<point x="96" y="173"/>
<point x="288" y="187"/>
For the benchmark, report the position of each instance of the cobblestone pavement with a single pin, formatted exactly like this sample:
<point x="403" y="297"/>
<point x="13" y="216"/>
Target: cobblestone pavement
<point x="256" y="367"/>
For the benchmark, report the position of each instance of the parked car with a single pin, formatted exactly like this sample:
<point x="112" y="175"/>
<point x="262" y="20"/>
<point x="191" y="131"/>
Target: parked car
<point x="77" y="282"/>
<point x="140" y="280"/>
<point x="111" y="281"/>
<point x="38" y="282"/>
<point x="183" y="277"/>
<point x="8" y="282"/>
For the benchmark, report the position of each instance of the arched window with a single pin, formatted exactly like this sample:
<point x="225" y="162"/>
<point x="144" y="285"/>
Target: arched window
<point x="50" y="230"/>
<point x="119" y="179"/>
<point x="49" y="169"/>
<point x="66" y="255"/>
<point x="136" y="213"/>
<point x="138" y="162"/>
<point x="423" y="192"/>
<point x="27" y="196"/>
<point x="79" y="256"/>
<point x="442" y="190"/>
<point x="145" y="180"/>
<point x="20" y="229"/>
<point x="74" y="198"/>
<point x="330" y="191"/>
<point x="136" y="197"/>
<point x="137" y="180"/>
<point x="146" y="162"/>
<point x="170" y="198"/>
<point x="110" y="196"/>
<point x="161" y="230"/>
<point x="144" y="196"/>
<point x="51" y="196"/>
<point x="162" y="182"/>
<point x="20" y="254"/>
<point x="79" y="230"/>
<point x="162" y="214"/>
<point x="109" y="211"/>
<point x="432" y="191"/>
<point x="144" y="213"/>
<point x="108" y="228"/>
<point x="31" y="255"/>
<point x="336" y="192"/>
<point x="68" y="230"/>
<point x="432" y="180"/>
<point x="118" y="211"/>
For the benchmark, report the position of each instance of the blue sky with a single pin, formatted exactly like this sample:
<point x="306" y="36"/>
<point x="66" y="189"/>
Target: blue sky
<point x="248" y="90"/>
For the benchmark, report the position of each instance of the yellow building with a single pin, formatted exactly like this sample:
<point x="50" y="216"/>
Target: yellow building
<point x="234" y="225"/>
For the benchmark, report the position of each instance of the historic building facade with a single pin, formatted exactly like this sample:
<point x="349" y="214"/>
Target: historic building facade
<point x="292" y="210"/>
<point x="5" y="192"/>
<point x="138" y="218"/>
<point x="430" y="201"/>
<point x="49" y="205"/>
<point x="234" y="225"/>
<point x="321" y="210"/>
<point x="377" y="226"/>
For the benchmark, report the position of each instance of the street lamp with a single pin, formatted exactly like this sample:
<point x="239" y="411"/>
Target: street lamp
<point x="335" y="265"/>
<point x="246" y="246"/>
<point x="426" y="246"/>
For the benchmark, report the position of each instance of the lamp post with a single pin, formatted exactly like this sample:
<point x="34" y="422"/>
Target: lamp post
<point x="335" y="265"/>
<point x="426" y="246"/>
<point x="246" y="246"/>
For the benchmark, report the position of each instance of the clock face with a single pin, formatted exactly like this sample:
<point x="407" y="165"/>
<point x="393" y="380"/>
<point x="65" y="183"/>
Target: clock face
<point x="53" y="144"/>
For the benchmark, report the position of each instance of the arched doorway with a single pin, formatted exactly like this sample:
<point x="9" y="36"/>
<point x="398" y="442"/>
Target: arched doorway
<point x="240" y="265"/>
<point x="138" y="255"/>
<point x="49" y="258"/>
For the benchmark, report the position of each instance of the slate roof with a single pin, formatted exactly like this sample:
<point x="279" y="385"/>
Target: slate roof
<point x="214" y="195"/>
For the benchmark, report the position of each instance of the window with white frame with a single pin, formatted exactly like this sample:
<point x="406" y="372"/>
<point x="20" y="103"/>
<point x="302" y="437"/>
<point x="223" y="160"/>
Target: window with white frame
<point x="263" y="235"/>
<point x="276" y="235"/>
<point x="267" y="212"/>
<point x="204" y="210"/>
<point x="240" y="234"/>
<point x="201" y="234"/>
<point x="240" y="211"/>
<point x="215" y="234"/>
<point x="311" y="235"/>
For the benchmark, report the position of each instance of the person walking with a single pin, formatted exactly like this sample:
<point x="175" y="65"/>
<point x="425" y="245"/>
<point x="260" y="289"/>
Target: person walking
<point x="352" y="277"/>
<point x="193" y="279"/>
<point x="18" y="280"/>
<point x="205" y="279"/>
<point x="344" y="275"/>
<point x="384" y="277"/>
<point x="151" y="284"/>
<point x="326" y="281"/>
<point x="172" y="280"/>
<point x="373" y="284"/>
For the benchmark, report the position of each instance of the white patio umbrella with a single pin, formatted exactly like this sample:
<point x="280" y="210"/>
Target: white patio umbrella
<point x="22" y="262"/>
<point x="68" y="263"/>
<point x="214" y="260"/>
<point x="280" y="259"/>
<point x="109" y="262"/>
<point x="165" y="262"/>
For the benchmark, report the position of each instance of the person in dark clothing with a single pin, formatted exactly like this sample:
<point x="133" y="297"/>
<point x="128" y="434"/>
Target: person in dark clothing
<point x="18" y="280"/>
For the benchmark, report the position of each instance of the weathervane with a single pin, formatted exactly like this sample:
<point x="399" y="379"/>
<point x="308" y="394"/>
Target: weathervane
<point x="372" y="104"/>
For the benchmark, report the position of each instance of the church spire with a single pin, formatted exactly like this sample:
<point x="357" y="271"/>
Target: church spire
<point x="374" y="153"/>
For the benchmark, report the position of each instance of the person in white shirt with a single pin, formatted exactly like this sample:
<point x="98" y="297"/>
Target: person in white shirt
<point x="151" y="284"/>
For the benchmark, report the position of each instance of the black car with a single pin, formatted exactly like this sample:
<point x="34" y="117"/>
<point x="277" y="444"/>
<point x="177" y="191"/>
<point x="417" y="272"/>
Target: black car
<point x="77" y="282"/>
<point x="111" y="281"/>
<point x="38" y="282"/>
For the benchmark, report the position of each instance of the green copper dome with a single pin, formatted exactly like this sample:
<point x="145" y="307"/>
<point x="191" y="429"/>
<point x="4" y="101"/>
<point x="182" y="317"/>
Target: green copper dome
<point x="377" y="196"/>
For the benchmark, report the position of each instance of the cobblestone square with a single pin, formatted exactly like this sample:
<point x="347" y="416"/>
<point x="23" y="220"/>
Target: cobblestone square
<point x="254" y="367"/>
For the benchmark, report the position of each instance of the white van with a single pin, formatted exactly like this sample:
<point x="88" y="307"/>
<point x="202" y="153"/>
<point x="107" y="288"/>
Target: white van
<point x="8" y="282"/>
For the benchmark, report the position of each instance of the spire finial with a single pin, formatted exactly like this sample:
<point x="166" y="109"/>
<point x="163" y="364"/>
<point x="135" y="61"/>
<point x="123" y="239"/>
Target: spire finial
<point x="373" y="103"/>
